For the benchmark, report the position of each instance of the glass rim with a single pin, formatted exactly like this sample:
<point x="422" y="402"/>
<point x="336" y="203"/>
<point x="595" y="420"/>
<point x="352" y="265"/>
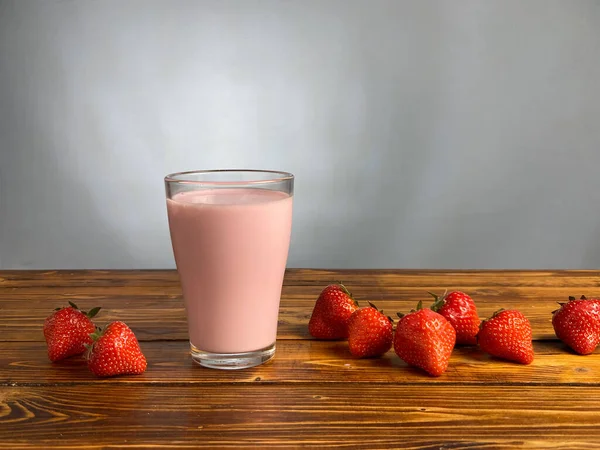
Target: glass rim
<point x="180" y="177"/>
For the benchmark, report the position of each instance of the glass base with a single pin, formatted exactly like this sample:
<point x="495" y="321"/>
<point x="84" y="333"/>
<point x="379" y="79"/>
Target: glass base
<point x="232" y="361"/>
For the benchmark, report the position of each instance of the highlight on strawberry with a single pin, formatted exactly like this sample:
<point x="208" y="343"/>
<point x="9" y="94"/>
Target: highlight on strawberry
<point x="67" y="330"/>
<point x="331" y="313"/>
<point x="460" y="310"/>
<point x="577" y="324"/>
<point x="507" y="335"/>
<point x="370" y="332"/>
<point x="425" y="339"/>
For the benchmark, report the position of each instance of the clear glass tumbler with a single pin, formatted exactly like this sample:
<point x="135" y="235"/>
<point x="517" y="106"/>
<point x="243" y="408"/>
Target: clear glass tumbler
<point x="230" y="231"/>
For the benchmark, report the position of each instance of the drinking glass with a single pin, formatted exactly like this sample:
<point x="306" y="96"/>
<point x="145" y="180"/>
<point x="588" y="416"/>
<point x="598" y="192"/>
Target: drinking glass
<point x="230" y="231"/>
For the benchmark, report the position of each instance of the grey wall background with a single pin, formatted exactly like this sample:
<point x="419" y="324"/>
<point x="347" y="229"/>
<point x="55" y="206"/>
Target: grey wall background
<point x="422" y="133"/>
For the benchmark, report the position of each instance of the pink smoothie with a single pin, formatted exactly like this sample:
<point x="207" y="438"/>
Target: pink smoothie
<point x="231" y="248"/>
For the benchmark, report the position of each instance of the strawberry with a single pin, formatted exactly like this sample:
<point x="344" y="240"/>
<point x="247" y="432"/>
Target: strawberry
<point x="425" y="339"/>
<point x="370" y="332"/>
<point x="577" y="324"/>
<point x="67" y="330"/>
<point x="459" y="309"/>
<point x="507" y="335"/>
<point x="115" y="351"/>
<point x="331" y="313"/>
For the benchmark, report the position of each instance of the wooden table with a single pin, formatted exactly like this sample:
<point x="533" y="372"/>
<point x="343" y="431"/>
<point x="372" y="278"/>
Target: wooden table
<point x="313" y="393"/>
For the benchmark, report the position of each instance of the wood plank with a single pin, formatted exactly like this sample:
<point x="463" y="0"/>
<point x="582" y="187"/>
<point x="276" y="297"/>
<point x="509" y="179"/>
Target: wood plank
<point x="446" y="278"/>
<point x="79" y="278"/>
<point x="309" y="293"/>
<point x="297" y="295"/>
<point x="312" y="414"/>
<point x="163" y="318"/>
<point x="316" y="277"/>
<point x="140" y="297"/>
<point x="313" y="393"/>
<point x="26" y="363"/>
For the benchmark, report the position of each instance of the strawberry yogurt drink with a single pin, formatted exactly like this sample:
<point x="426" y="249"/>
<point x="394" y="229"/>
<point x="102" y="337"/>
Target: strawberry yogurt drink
<point x="230" y="231"/>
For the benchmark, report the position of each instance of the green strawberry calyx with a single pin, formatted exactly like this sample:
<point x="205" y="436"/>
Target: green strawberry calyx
<point x="571" y="299"/>
<point x="92" y="312"/>
<point x="97" y="334"/>
<point x="439" y="300"/>
<point x="347" y="292"/>
<point x="490" y="318"/>
<point x="372" y="305"/>
<point x="418" y="308"/>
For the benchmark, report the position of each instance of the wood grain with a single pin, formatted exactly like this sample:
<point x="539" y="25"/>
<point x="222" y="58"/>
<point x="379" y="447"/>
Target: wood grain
<point x="313" y="394"/>
<point x="140" y="306"/>
<point x="317" y="277"/>
<point x="140" y="297"/>
<point x="25" y="363"/>
<point x="371" y="417"/>
<point x="169" y="323"/>
<point x="163" y="318"/>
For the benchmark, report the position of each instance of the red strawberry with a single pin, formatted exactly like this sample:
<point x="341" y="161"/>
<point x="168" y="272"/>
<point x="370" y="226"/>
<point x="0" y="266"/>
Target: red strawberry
<point x="115" y="351"/>
<point x="577" y="324"/>
<point x="507" y="335"/>
<point x="425" y="339"/>
<point x="370" y="332"/>
<point x="459" y="309"/>
<point x="331" y="313"/>
<point x="67" y="330"/>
